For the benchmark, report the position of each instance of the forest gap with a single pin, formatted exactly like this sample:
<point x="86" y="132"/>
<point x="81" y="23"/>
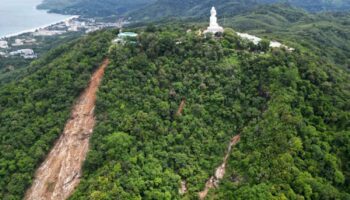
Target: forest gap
<point x="60" y="173"/>
<point x="214" y="180"/>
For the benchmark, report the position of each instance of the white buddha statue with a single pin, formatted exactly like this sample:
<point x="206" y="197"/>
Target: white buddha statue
<point x="214" y="26"/>
<point x="213" y="18"/>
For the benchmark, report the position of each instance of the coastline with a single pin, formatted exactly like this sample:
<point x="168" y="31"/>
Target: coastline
<point x="37" y="28"/>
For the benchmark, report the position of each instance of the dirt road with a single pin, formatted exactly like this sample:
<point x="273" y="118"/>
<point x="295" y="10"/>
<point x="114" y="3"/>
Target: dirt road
<point x="220" y="171"/>
<point x="60" y="173"/>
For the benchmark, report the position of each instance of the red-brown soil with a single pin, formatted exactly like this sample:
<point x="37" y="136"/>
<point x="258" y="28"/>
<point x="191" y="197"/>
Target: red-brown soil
<point x="181" y="107"/>
<point x="60" y="173"/>
<point x="220" y="171"/>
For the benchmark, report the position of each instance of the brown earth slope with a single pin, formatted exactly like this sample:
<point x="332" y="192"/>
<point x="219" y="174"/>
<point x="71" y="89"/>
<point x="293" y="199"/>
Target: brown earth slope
<point x="220" y="171"/>
<point x="181" y="107"/>
<point x="60" y="173"/>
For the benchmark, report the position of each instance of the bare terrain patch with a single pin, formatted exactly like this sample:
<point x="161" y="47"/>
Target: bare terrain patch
<point x="220" y="171"/>
<point x="181" y="107"/>
<point x="60" y="173"/>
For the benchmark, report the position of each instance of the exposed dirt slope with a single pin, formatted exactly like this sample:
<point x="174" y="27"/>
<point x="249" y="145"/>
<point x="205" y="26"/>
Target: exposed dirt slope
<point x="60" y="173"/>
<point x="220" y="171"/>
<point x="181" y="107"/>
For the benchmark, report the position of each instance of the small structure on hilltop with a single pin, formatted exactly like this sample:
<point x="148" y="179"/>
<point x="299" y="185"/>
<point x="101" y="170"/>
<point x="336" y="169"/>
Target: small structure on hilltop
<point x="3" y="44"/>
<point x="124" y="36"/>
<point x="249" y="37"/>
<point x="214" y="27"/>
<point x="25" y="53"/>
<point x="127" y="35"/>
<point x="257" y="40"/>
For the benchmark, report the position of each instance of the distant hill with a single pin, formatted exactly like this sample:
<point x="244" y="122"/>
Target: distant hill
<point x="146" y="9"/>
<point x="316" y="5"/>
<point x="93" y="8"/>
<point x="198" y="8"/>
<point x="327" y="34"/>
<point x="195" y="8"/>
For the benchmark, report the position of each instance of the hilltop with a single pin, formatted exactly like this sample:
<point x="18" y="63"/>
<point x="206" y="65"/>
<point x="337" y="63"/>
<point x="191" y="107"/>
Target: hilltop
<point x="289" y="109"/>
<point x="275" y="22"/>
<point x="263" y="17"/>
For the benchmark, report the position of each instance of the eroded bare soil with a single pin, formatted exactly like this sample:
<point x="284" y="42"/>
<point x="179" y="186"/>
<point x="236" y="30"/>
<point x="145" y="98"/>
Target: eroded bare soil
<point x="220" y="171"/>
<point x="181" y="107"/>
<point x="60" y="173"/>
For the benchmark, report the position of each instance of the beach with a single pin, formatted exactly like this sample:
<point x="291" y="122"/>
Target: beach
<point x="38" y="28"/>
<point x="21" y="16"/>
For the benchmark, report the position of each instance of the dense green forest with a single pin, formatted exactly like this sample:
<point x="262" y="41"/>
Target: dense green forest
<point x="291" y="110"/>
<point x="34" y="109"/>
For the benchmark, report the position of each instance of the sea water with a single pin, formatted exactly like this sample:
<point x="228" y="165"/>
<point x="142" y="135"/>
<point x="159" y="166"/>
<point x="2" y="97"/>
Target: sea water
<point x="17" y="16"/>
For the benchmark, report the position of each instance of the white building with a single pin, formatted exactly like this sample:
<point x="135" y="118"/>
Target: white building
<point x="251" y="38"/>
<point x="92" y="29"/>
<point x="123" y="37"/>
<point x="30" y="41"/>
<point x="3" y="54"/>
<point x="44" y="32"/>
<point x="257" y="40"/>
<point x="18" y="42"/>
<point x="25" y="53"/>
<point x="73" y="28"/>
<point x="214" y="26"/>
<point x="3" y="44"/>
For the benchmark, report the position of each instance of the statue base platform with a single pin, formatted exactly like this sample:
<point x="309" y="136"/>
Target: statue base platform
<point x="214" y="29"/>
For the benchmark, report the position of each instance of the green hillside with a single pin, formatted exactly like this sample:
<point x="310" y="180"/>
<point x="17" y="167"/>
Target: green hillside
<point x="34" y="109"/>
<point x="291" y="110"/>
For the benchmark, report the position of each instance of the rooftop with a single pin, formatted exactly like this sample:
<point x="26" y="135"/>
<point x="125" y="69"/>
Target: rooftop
<point x="127" y="34"/>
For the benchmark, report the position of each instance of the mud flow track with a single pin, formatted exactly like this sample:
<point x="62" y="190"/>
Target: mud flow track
<point x="213" y="182"/>
<point x="60" y="173"/>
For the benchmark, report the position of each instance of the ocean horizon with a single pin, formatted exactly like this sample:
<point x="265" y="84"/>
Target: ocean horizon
<point x="21" y="16"/>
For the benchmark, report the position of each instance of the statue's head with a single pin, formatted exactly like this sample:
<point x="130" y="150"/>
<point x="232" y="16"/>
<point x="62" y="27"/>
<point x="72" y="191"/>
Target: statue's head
<point x="213" y="11"/>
